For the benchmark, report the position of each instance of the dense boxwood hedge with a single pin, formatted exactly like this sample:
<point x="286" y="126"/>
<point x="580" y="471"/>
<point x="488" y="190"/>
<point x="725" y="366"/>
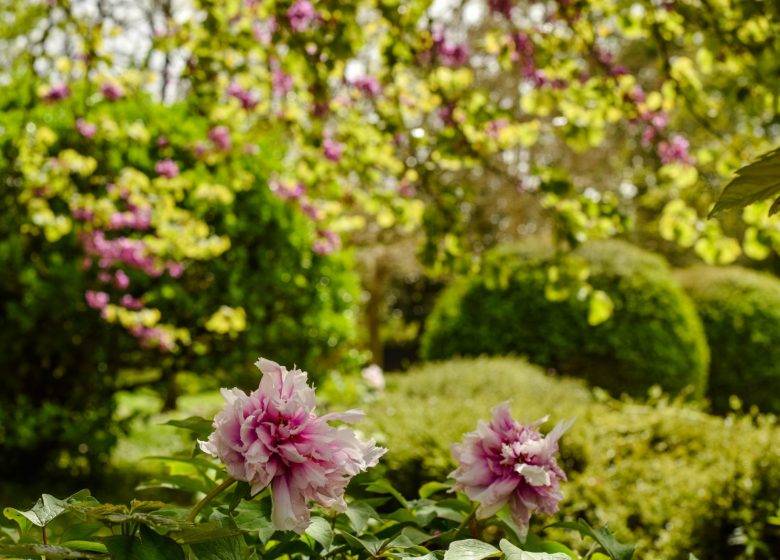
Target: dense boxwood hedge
<point x="740" y="310"/>
<point x="673" y="479"/>
<point x="653" y="337"/>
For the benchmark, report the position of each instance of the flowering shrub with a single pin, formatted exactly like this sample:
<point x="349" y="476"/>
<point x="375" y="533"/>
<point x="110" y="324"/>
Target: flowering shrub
<point x="283" y="455"/>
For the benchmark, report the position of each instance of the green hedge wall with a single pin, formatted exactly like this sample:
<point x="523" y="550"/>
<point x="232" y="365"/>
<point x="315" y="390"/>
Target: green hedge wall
<point x="672" y="479"/>
<point x="653" y="337"/>
<point x="740" y="310"/>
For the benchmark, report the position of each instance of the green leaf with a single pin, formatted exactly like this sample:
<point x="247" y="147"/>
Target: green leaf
<point x="320" y="530"/>
<point x="754" y="182"/>
<point x="41" y="550"/>
<point x="86" y="546"/>
<point x="384" y="487"/>
<point x="255" y="517"/>
<point x="370" y="543"/>
<point x="514" y="553"/>
<point x="470" y="549"/>
<point x="149" y="545"/>
<point x="230" y="548"/>
<point x="359" y="513"/>
<point x="197" y="424"/>
<point x="603" y="536"/>
<point x="430" y="488"/>
<point x="202" y="532"/>
<point x="46" y="509"/>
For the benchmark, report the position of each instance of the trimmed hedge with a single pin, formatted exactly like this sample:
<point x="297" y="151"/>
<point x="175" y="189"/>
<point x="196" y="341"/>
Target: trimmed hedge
<point x="740" y="310"/>
<point x="653" y="337"/>
<point x="673" y="479"/>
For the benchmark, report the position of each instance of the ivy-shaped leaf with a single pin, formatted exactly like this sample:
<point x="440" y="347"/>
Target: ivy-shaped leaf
<point x="754" y="182"/>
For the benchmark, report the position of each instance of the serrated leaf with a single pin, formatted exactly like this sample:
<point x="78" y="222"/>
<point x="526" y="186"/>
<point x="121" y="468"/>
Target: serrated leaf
<point x="320" y="530"/>
<point x="514" y="553"/>
<point x="754" y="182"/>
<point x="470" y="549"/>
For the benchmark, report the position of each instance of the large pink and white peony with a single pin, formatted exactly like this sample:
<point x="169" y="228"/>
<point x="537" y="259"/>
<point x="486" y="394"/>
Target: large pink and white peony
<point x="504" y="461"/>
<point x="273" y="437"/>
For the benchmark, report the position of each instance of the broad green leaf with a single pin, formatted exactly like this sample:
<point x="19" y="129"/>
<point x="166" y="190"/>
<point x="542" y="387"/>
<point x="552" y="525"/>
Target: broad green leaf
<point x="255" y="517"/>
<point x="320" y="530"/>
<point x="47" y="508"/>
<point x="754" y="182"/>
<point x="384" y="487"/>
<point x="603" y="536"/>
<point x="202" y="427"/>
<point x="430" y="488"/>
<point x="230" y="548"/>
<point x="470" y="549"/>
<point x="370" y="543"/>
<point x="359" y="513"/>
<point x="87" y="546"/>
<point x="514" y="553"/>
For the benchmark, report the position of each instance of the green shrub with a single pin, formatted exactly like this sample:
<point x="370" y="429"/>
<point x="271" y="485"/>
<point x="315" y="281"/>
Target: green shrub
<point x="673" y="479"/>
<point x="740" y="310"/>
<point x="653" y="336"/>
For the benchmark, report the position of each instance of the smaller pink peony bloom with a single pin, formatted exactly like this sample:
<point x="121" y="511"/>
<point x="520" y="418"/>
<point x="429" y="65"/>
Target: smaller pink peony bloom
<point x="273" y="437"/>
<point x="333" y="150"/>
<point x="112" y="91"/>
<point x="96" y="300"/>
<point x="86" y="129"/>
<point x="220" y="136"/>
<point x="56" y="93"/>
<point x="505" y="461"/>
<point x="167" y="168"/>
<point x="301" y="15"/>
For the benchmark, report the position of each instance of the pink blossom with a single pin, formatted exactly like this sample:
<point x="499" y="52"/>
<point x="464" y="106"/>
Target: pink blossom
<point x="494" y="128"/>
<point x="675" y="151"/>
<point x="112" y="91"/>
<point x="310" y="210"/>
<point x="121" y="280"/>
<point x="301" y="15"/>
<point x="86" y="129"/>
<point x="287" y="192"/>
<point x="506" y="461"/>
<point x="129" y="302"/>
<point x="327" y="241"/>
<point x="450" y="54"/>
<point x="263" y="31"/>
<point x="167" y="168"/>
<point x="282" y="83"/>
<point x="332" y="149"/>
<point x="82" y="214"/>
<point x="96" y="300"/>
<point x="175" y="269"/>
<point x="248" y="99"/>
<point x="368" y="85"/>
<point x="56" y="93"/>
<point x="220" y="135"/>
<point x="162" y="141"/>
<point x="129" y="252"/>
<point x="274" y="437"/>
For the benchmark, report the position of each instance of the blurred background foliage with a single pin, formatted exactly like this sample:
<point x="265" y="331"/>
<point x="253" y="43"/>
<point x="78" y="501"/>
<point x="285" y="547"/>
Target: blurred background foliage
<point x="189" y="183"/>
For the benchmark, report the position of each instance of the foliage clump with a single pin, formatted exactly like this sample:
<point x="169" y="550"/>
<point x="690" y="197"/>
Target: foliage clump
<point x="518" y="305"/>
<point x="672" y="479"/>
<point x="740" y="310"/>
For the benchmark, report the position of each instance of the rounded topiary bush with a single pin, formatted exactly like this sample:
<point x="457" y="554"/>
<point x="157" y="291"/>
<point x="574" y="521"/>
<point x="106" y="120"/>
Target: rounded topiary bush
<point x="653" y="336"/>
<point x="740" y="310"/>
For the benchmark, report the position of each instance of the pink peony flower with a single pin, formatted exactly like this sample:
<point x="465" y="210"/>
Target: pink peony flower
<point x="273" y="437"/>
<point x="301" y="15"/>
<point x="506" y="461"/>
<point x="167" y="168"/>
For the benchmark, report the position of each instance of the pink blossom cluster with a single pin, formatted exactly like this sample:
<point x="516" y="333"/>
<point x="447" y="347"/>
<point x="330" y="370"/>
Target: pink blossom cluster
<point x="112" y="91"/>
<point x="122" y="250"/>
<point x="367" y="85"/>
<point x="327" y="241"/>
<point x="281" y="82"/>
<point x="675" y="151"/>
<point x="136" y="218"/>
<point x="166" y="168"/>
<point x="153" y="337"/>
<point x="220" y="137"/>
<point x="263" y="31"/>
<point x="248" y="99"/>
<point x="504" y="461"/>
<point x="56" y="93"/>
<point x="301" y="15"/>
<point x="273" y="437"/>
<point x="450" y="54"/>
<point x="332" y="149"/>
<point x="286" y="191"/>
<point x="86" y="129"/>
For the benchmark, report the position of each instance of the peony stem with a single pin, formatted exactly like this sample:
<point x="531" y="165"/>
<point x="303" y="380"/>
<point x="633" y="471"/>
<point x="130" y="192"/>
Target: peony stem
<point x="210" y="496"/>
<point x="467" y="520"/>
